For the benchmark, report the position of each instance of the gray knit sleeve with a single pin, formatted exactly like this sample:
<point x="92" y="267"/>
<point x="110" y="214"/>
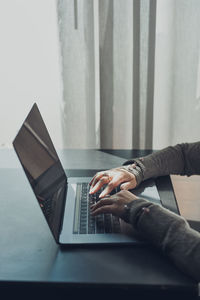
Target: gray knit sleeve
<point x="182" y="159"/>
<point x="169" y="232"/>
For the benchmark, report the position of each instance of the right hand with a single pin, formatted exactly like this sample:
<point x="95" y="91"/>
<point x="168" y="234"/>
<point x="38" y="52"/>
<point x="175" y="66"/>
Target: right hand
<point x="112" y="178"/>
<point x="114" y="204"/>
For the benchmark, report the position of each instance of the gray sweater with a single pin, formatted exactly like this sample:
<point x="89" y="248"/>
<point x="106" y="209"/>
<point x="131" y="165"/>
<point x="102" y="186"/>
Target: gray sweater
<point x="166" y="230"/>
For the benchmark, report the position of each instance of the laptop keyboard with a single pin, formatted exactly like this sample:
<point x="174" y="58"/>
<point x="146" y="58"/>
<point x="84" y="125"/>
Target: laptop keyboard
<point x="84" y="222"/>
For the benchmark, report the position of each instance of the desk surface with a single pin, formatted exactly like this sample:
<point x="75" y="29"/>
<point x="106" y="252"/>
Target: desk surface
<point x="29" y="254"/>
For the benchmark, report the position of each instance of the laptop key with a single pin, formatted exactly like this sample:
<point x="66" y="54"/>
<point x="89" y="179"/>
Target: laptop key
<point x="100" y="224"/>
<point x="108" y="223"/>
<point x="116" y="224"/>
<point x="83" y="230"/>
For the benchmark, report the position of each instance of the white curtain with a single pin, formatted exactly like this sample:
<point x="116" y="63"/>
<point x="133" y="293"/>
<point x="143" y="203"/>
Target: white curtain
<point x="131" y="72"/>
<point x="177" y="72"/>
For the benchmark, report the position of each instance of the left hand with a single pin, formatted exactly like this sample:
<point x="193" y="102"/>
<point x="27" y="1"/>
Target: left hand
<point x="112" y="178"/>
<point x="113" y="204"/>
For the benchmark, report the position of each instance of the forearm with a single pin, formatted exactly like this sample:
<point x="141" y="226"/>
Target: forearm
<point x="182" y="159"/>
<point x="170" y="232"/>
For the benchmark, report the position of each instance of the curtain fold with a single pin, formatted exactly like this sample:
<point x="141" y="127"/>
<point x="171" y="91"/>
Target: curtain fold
<point x="176" y="97"/>
<point x="130" y="72"/>
<point x="116" y="59"/>
<point x="76" y="24"/>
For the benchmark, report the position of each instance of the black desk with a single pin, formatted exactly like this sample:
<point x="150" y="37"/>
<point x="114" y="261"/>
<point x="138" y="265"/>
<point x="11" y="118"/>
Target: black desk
<point x="29" y="257"/>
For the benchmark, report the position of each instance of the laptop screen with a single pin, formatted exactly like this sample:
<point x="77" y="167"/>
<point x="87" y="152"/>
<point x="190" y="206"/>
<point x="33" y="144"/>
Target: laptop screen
<point x="43" y="169"/>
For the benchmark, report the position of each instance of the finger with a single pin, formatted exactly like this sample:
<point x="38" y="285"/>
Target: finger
<point x="96" y="178"/>
<point x="102" y="202"/>
<point x="102" y="181"/>
<point x="111" y="185"/>
<point x="128" y="185"/>
<point x="107" y="209"/>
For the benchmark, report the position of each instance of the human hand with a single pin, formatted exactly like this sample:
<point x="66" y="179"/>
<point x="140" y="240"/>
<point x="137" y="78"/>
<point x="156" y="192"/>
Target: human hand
<point x="114" y="204"/>
<point x="112" y="178"/>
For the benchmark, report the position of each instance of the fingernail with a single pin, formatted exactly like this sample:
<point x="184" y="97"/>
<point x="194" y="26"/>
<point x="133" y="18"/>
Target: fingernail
<point x="91" y="190"/>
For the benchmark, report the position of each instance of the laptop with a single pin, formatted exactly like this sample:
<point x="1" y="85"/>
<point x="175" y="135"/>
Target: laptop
<point x="65" y="201"/>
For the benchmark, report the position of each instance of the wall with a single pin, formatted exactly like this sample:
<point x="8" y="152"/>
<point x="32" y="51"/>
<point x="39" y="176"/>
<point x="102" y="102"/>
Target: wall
<point x="29" y="66"/>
